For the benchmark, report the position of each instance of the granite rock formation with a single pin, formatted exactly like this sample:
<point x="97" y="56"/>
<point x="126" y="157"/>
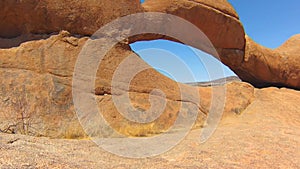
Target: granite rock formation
<point x="40" y="42"/>
<point x="217" y="19"/>
<point x="266" y="67"/>
<point x="33" y="19"/>
<point x="36" y="95"/>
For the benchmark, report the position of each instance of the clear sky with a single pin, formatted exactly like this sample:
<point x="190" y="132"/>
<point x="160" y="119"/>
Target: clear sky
<point x="180" y="62"/>
<point x="268" y="22"/>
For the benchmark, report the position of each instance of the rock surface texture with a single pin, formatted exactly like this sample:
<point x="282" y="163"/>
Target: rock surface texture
<point x="253" y="63"/>
<point x="266" y="67"/>
<point x="38" y="85"/>
<point x="217" y="19"/>
<point x="41" y="41"/>
<point x="266" y="135"/>
<point x="33" y="19"/>
<point x="46" y="17"/>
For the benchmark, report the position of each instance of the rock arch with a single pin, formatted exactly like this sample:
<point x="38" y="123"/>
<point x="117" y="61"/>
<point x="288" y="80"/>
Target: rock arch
<point x="48" y="64"/>
<point x="217" y="19"/>
<point x="252" y="62"/>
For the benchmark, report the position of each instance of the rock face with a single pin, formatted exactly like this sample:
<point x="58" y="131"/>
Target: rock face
<point x="217" y="19"/>
<point x="266" y="135"/>
<point x="36" y="93"/>
<point x="36" y="89"/>
<point x="290" y="65"/>
<point x="45" y="17"/>
<point x="251" y="62"/>
<point x="48" y="65"/>
<point x="265" y="67"/>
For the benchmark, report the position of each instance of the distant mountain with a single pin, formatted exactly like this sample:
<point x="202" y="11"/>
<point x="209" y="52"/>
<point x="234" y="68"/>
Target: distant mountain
<point x="216" y="82"/>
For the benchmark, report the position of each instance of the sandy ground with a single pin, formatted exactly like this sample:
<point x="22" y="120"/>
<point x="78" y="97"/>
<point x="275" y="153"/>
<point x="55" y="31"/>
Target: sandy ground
<point x="265" y="135"/>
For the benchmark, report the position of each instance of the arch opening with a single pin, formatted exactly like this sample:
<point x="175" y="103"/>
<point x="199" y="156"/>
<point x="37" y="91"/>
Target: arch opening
<point x="183" y="63"/>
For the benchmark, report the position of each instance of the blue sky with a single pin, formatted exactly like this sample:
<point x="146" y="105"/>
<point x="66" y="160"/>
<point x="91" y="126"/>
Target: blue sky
<point x="268" y="22"/>
<point x="180" y="62"/>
